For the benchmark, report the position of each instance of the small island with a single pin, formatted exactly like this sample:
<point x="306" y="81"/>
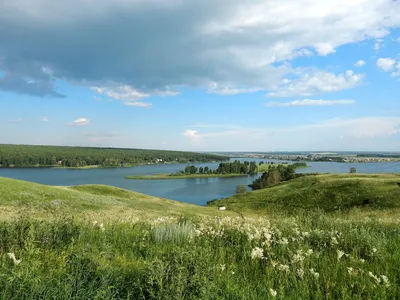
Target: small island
<point x="230" y="169"/>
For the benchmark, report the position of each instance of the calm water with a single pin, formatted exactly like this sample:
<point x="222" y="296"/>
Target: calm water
<point x="196" y="191"/>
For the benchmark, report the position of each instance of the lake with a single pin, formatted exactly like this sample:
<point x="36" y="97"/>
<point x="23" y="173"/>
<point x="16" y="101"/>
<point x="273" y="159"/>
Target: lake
<point x="195" y="191"/>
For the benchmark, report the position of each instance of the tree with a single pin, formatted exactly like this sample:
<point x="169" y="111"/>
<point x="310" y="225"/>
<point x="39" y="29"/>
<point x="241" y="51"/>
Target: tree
<point x="353" y="170"/>
<point x="201" y="170"/>
<point x="241" y="189"/>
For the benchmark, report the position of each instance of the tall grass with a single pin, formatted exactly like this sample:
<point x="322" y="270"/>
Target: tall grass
<point x="307" y="257"/>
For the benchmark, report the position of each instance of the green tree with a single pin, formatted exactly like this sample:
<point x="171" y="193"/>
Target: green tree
<point x="353" y="170"/>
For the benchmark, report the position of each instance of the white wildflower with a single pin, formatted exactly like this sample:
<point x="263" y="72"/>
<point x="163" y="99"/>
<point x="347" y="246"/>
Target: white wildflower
<point x="284" y="241"/>
<point x="298" y="257"/>
<point x="334" y="240"/>
<point x="257" y="253"/>
<point x="340" y="253"/>
<point x="376" y="278"/>
<point x="362" y="260"/>
<point x="284" y="268"/>
<point x="14" y="259"/>
<point x="273" y="292"/>
<point x="374" y="250"/>
<point x="315" y="274"/>
<point x="222" y="266"/>
<point x="300" y="273"/>
<point x="309" y="252"/>
<point x="306" y="234"/>
<point x="350" y="271"/>
<point x="385" y="280"/>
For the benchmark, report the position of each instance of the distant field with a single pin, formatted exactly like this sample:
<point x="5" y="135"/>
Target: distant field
<point x="190" y="176"/>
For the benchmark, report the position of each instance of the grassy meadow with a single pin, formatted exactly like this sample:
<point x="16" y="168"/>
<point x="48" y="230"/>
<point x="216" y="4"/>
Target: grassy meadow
<point x="99" y="242"/>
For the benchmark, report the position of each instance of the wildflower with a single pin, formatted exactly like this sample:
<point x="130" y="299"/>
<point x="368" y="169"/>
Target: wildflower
<point x="300" y="273"/>
<point x="385" y="280"/>
<point x="315" y="274"/>
<point x="284" y="268"/>
<point x="222" y="266"/>
<point x="257" y="253"/>
<point x="362" y="260"/>
<point x="350" y="271"/>
<point x="12" y="257"/>
<point x="374" y="250"/>
<point x="233" y="273"/>
<point x="298" y="257"/>
<point x="284" y="241"/>
<point x="273" y="292"/>
<point x="376" y="278"/>
<point x="340" y="253"/>
<point x="306" y="234"/>
<point x="309" y="252"/>
<point x="334" y="241"/>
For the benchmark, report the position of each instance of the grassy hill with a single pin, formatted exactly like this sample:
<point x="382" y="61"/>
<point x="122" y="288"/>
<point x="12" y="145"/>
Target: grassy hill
<point x="328" y="192"/>
<point x="146" y="250"/>
<point x="97" y="201"/>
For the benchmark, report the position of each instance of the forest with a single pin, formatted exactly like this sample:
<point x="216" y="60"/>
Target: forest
<point x="277" y="174"/>
<point x="17" y="156"/>
<point x="235" y="167"/>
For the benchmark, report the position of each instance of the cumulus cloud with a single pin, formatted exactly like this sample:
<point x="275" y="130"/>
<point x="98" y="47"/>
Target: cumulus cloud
<point x="316" y="82"/>
<point x="191" y="134"/>
<point x="151" y="45"/>
<point x="360" y="63"/>
<point x="81" y="122"/>
<point x="44" y="119"/>
<point x="309" y="102"/>
<point x="386" y="64"/>
<point x="216" y="88"/>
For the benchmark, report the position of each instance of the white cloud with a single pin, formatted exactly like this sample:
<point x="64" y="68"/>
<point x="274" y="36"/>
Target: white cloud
<point x="44" y="119"/>
<point x="138" y="104"/>
<point x="360" y="63"/>
<point x="238" y="45"/>
<point x="316" y="82"/>
<point x="191" y="134"/>
<point x="81" y="122"/>
<point x="131" y="96"/>
<point x="378" y="45"/>
<point x="386" y="64"/>
<point x="309" y="102"/>
<point x="215" y="88"/>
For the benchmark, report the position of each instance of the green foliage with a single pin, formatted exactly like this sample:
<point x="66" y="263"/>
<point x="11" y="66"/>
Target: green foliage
<point x="312" y="256"/>
<point x="45" y="156"/>
<point x="241" y="189"/>
<point x="353" y="170"/>
<point x="274" y="175"/>
<point x="235" y="167"/>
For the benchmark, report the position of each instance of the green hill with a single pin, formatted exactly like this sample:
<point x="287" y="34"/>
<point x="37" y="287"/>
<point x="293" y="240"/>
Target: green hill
<point x="18" y="197"/>
<point x="328" y="192"/>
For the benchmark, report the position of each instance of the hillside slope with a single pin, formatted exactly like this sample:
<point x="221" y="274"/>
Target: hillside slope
<point x="18" y="197"/>
<point x="328" y="192"/>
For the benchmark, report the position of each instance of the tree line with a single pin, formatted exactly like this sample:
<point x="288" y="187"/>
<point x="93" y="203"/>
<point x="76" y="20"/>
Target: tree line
<point x="277" y="174"/>
<point x="46" y="156"/>
<point x="235" y="167"/>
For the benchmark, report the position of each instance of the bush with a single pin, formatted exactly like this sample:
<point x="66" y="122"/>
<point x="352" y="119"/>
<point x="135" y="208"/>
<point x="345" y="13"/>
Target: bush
<point x="241" y="189"/>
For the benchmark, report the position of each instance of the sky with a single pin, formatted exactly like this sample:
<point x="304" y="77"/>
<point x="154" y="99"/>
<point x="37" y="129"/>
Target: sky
<point x="201" y="75"/>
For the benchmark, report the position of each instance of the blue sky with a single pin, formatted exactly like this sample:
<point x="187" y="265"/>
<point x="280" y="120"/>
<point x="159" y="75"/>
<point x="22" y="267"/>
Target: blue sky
<point x="202" y="75"/>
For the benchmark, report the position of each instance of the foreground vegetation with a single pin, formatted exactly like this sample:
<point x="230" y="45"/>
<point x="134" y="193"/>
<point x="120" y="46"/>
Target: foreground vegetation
<point x="183" y="176"/>
<point x="124" y="245"/>
<point x="48" y="156"/>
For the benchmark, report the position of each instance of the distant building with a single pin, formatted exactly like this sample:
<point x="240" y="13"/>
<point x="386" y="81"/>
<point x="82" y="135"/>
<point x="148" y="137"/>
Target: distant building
<point x="222" y="208"/>
<point x="59" y="162"/>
